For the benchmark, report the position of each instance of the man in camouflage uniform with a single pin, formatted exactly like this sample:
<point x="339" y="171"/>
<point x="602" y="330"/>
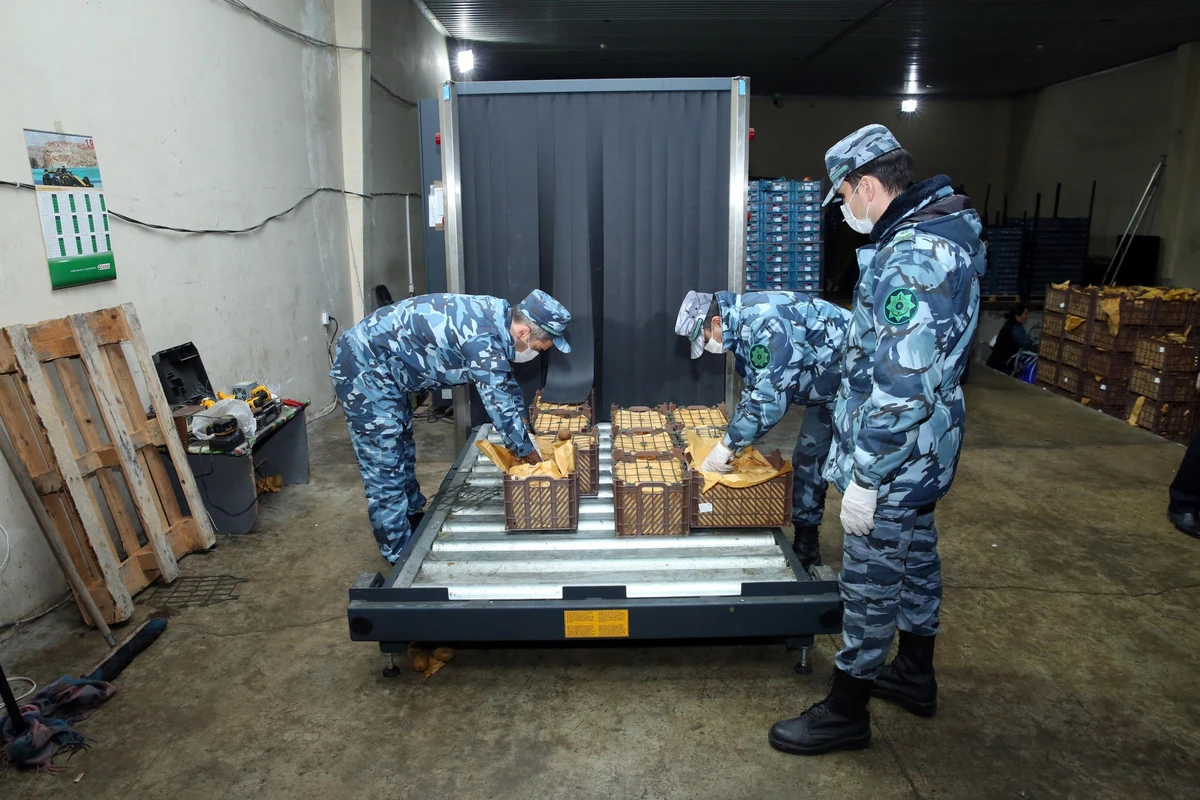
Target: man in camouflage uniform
<point x="423" y="343"/>
<point x="787" y="348"/>
<point x="898" y="428"/>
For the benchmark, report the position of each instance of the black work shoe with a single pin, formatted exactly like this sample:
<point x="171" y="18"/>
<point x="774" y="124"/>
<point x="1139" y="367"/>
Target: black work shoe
<point x="806" y="545"/>
<point x="909" y="679"/>
<point x="839" y="722"/>
<point x="1185" y="522"/>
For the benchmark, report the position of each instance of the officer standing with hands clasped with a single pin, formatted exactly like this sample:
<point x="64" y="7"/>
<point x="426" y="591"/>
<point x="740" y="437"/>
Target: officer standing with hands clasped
<point x="898" y="429"/>
<point x="787" y="348"/>
<point x="423" y="343"/>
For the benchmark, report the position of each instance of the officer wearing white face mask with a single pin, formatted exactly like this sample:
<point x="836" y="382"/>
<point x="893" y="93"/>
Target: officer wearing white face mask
<point x="423" y="343"/>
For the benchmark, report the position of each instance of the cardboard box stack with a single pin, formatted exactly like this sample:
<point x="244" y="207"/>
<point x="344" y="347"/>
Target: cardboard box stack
<point x="1109" y="348"/>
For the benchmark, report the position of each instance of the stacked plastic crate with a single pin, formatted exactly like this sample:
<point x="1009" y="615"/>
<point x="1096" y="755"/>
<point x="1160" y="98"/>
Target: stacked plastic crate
<point x="783" y="233"/>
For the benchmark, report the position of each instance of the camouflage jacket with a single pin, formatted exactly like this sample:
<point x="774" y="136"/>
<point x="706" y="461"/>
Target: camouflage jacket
<point x="899" y="416"/>
<point x="787" y="347"/>
<point x="446" y="340"/>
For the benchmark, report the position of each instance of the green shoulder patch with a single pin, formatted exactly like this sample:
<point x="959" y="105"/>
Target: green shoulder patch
<point x="900" y="306"/>
<point x="760" y="356"/>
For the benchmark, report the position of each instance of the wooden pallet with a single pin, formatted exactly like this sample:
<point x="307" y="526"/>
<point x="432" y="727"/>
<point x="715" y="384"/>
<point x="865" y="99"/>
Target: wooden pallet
<point x="71" y="405"/>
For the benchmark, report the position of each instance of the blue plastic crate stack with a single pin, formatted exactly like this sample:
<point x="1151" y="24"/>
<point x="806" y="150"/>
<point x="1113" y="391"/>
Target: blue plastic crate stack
<point x="783" y="235"/>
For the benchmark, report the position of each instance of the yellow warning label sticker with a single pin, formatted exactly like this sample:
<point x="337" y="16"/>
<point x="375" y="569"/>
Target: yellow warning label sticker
<point x="609" y="624"/>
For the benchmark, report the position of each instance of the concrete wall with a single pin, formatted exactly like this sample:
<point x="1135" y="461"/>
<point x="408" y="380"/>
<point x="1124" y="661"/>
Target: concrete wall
<point x="1111" y="128"/>
<point x="965" y="139"/>
<point x="409" y="57"/>
<point x="203" y="117"/>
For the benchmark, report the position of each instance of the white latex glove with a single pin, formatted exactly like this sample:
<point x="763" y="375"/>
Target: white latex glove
<point x="719" y="460"/>
<point x="858" y="509"/>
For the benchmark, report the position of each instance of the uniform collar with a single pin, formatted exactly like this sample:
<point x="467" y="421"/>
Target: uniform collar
<point x="731" y="319"/>
<point x="510" y="344"/>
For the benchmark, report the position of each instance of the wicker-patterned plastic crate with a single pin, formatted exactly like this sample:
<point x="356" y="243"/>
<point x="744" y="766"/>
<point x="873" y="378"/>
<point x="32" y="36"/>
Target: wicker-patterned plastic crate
<point x="657" y="418"/>
<point x="1047" y="372"/>
<point x="1165" y="355"/>
<point x="1102" y="393"/>
<point x="644" y="441"/>
<point x="1050" y="348"/>
<point x="551" y="421"/>
<point x="539" y="405"/>
<point x="1072" y="354"/>
<point x="650" y="497"/>
<point x="1123" y="342"/>
<point x="1081" y="302"/>
<point x="1162" y="418"/>
<point x="700" y="416"/>
<point x="1068" y="380"/>
<point x="1132" y="312"/>
<point x="1115" y="367"/>
<point x="1176" y="314"/>
<point x="1075" y="329"/>
<point x="1056" y="300"/>
<point x="537" y="503"/>
<point x="587" y="459"/>
<point x="1164" y="388"/>
<point x="1052" y="325"/>
<point x="767" y="505"/>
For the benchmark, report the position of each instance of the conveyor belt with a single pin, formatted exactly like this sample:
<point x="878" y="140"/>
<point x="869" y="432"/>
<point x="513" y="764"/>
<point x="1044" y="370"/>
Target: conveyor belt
<point x="464" y="578"/>
<point x="473" y="557"/>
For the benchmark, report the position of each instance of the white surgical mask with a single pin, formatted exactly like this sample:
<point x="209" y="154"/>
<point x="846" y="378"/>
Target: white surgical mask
<point x="856" y="224"/>
<point x="713" y="345"/>
<point x="528" y="354"/>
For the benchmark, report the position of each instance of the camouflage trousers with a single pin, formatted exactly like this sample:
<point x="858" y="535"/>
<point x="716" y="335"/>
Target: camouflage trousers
<point x="808" y="459"/>
<point x="890" y="578"/>
<point x="379" y="415"/>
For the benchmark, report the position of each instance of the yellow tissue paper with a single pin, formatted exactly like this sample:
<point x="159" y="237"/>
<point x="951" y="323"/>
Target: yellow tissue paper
<point x="749" y="469"/>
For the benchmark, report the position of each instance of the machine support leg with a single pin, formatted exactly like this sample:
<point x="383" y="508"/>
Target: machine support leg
<point x="804" y="644"/>
<point x="391" y="670"/>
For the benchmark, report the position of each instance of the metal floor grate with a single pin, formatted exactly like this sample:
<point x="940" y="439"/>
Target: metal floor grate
<point x="193" y="592"/>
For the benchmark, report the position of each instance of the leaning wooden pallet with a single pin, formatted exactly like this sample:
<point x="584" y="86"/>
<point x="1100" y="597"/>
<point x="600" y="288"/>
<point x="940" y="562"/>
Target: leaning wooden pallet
<point x="72" y="408"/>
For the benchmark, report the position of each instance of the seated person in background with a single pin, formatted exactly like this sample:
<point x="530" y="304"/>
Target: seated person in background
<point x="1011" y="339"/>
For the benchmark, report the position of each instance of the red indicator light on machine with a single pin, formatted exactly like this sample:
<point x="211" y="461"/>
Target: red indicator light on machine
<point x="752" y="134"/>
<point x="437" y="138"/>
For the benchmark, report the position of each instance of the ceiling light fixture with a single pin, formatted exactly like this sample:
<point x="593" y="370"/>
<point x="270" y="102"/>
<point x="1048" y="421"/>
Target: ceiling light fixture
<point x="909" y="105"/>
<point x="466" y="60"/>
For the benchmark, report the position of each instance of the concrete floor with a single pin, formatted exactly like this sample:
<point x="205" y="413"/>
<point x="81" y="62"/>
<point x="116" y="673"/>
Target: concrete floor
<point x="1066" y="666"/>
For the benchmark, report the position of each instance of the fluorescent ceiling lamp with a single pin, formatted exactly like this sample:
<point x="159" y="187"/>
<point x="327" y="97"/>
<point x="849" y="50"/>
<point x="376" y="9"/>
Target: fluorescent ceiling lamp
<point x="908" y="106"/>
<point x="466" y="60"/>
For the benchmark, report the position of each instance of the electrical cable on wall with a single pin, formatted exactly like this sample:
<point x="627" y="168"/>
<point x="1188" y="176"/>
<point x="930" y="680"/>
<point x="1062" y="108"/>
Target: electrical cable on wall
<point x="7" y="547"/>
<point x="383" y="86"/>
<point x="291" y="32"/>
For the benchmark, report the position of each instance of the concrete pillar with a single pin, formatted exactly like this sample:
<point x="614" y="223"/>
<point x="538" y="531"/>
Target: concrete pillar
<point x="1181" y="198"/>
<point x="352" y="19"/>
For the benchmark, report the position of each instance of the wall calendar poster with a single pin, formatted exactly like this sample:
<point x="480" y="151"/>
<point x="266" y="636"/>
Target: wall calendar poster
<point x="74" y="214"/>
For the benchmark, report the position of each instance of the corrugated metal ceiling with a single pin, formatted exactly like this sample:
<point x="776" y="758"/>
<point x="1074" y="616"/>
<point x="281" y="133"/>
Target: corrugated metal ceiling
<point x="819" y="47"/>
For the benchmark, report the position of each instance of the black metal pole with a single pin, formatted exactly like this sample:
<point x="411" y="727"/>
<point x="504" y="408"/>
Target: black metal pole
<point x="10" y="703"/>
<point x="1037" y="213"/>
<point x="1004" y="210"/>
<point x="1057" y="194"/>
<point x="987" y="196"/>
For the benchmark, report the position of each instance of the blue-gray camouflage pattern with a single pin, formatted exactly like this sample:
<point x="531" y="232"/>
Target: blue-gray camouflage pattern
<point x="864" y="145"/>
<point x="890" y="578"/>
<point x="899" y="415"/>
<point x="420" y="343"/>
<point x="787" y="348"/>
<point x="380" y="420"/>
<point x="436" y="340"/>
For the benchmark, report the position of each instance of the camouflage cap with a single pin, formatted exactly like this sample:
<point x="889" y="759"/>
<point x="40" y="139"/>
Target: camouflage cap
<point x="551" y="315"/>
<point x="690" y="320"/>
<point x="865" y="144"/>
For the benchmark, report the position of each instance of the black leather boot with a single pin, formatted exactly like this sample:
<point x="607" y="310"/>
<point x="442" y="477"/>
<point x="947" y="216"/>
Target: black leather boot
<point x="414" y="520"/>
<point x="839" y="722"/>
<point x="807" y="545"/>
<point x="909" y="680"/>
<point x="1185" y="522"/>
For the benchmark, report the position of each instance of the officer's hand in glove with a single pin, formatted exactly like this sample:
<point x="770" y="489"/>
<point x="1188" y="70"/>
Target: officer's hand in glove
<point x="719" y="460"/>
<point x="858" y="509"/>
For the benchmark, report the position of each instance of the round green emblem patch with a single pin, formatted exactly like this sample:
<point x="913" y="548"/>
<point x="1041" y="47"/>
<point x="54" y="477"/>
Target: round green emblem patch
<point x="760" y="356"/>
<point x="900" y="306"/>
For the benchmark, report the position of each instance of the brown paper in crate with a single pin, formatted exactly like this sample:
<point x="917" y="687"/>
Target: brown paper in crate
<point x="560" y="466"/>
<point x="749" y="469"/>
<point x="1073" y="322"/>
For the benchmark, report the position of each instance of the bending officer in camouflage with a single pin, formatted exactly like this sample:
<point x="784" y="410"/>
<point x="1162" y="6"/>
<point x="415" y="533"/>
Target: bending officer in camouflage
<point x="423" y="343"/>
<point x="898" y="429"/>
<point x="787" y="348"/>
